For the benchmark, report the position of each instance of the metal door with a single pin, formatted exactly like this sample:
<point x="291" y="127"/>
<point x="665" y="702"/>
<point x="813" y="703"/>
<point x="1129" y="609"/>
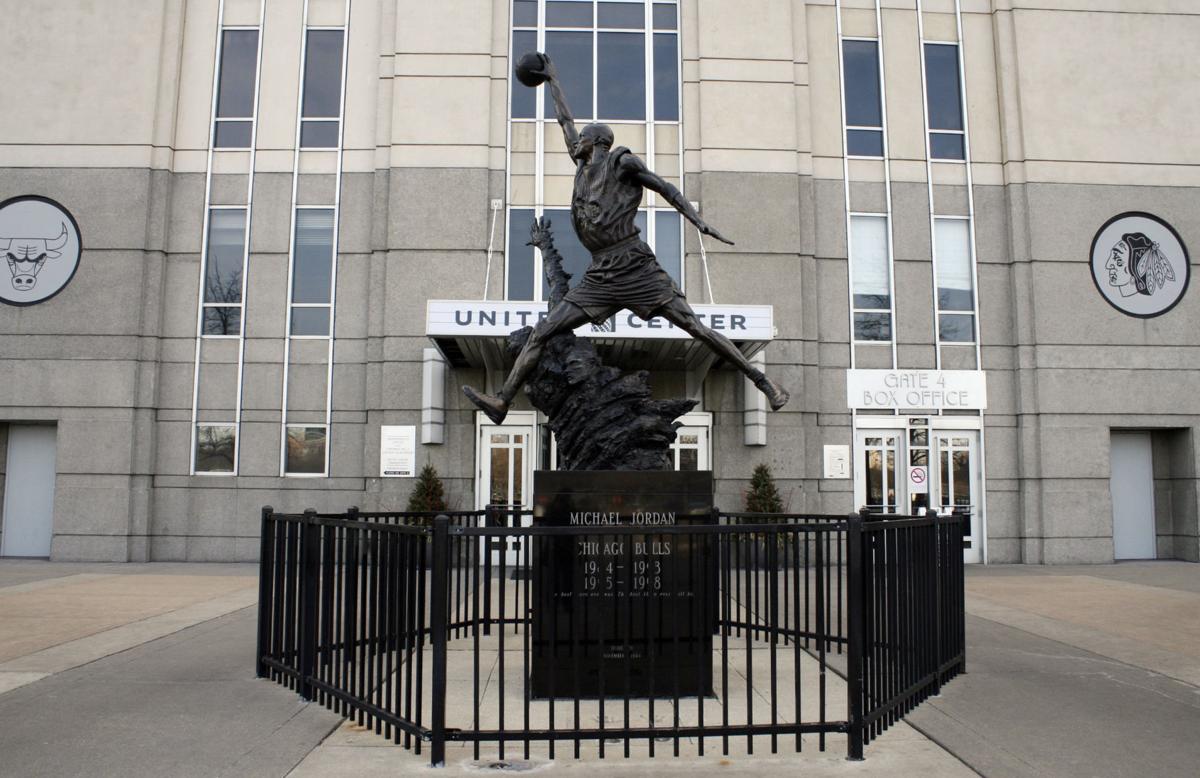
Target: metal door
<point x="878" y="483"/>
<point x="954" y="482"/>
<point x="29" y="492"/>
<point x="506" y="476"/>
<point x="1132" y="486"/>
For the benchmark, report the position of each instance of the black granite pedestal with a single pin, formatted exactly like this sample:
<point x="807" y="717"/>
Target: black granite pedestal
<point x="623" y="614"/>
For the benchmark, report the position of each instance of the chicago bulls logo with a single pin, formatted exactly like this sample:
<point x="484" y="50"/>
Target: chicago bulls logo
<point x="26" y="256"/>
<point x="40" y="243"/>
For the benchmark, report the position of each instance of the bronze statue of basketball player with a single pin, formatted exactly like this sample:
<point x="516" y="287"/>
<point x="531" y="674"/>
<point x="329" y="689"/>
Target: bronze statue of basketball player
<point x="623" y="272"/>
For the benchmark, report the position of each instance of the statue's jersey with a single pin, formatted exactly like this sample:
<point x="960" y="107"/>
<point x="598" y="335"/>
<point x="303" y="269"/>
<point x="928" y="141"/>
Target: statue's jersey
<point x="603" y="207"/>
<point x="623" y="272"/>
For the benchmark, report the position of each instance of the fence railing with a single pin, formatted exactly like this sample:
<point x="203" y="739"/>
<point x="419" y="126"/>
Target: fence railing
<point x="383" y="617"/>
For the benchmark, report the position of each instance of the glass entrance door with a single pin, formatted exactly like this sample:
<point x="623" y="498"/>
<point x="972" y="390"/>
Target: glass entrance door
<point x="954" y="482"/>
<point x="879" y="485"/>
<point x="690" y="449"/>
<point x="506" y="477"/>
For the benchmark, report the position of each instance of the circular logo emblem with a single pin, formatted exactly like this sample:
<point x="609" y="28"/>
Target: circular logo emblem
<point x="1139" y="264"/>
<point x="41" y="245"/>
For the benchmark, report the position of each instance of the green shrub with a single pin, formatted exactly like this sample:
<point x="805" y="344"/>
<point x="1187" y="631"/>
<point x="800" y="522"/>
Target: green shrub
<point x="763" y="495"/>
<point x="428" y="494"/>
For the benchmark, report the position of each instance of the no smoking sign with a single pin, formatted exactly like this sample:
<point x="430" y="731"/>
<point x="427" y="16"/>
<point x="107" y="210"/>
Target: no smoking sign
<point x="918" y="479"/>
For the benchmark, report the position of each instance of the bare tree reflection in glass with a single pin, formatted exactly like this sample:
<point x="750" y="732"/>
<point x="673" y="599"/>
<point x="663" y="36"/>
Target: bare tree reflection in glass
<point x="223" y="271"/>
<point x="214" y="448"/>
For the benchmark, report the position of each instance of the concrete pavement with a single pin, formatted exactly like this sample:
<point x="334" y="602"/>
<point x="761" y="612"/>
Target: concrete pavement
<point x="137" y="670"/>
<point x="56" y="617"/>
<point x="1076" y="671"/>
<point x="141" y="670"/>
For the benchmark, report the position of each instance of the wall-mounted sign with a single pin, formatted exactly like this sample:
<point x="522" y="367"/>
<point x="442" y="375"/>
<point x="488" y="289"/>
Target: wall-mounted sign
<point x="918" y="479"/>
<point x="1139" y="264"/>
<point x="397" y="451"/>
<point x="457" y="318"/>
<point x="41" y="245"/>
<point x="837" y="461"/>
<point x="936" y="390"/>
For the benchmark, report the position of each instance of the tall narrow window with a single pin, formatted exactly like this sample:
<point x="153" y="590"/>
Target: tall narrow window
<point x="667" y="246"/>
<point x="944" y="93"/>
<point x="321" y="107"/>
<point x="235" y="89"/>
<point x="666" y="63"/>
<point x="312" y="272"/>
<point x="955" y="288"/>
<point x="223" y="271"/>
<point x="520" y="256"/>
<point x="864" y="112"/>
<point x="618" y="62"/>
<point x="870" y="278"/>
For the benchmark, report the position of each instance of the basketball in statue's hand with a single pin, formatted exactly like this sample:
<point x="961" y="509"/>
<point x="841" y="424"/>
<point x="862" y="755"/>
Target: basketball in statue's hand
<point x="531" y="69"/>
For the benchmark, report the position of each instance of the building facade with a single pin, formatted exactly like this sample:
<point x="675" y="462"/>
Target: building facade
<point x="961" y="235"/>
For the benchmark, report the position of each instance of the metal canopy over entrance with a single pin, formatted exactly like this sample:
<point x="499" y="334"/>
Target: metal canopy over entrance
<point x="471" y="333"/>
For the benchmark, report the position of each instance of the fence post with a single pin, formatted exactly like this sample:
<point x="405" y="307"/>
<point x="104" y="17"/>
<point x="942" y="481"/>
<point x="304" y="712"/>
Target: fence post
<point x="266" y="568"/>
<point x="855" y="627"/>
<point x="939" y="553"/>
<point x="437" y="636"/>
<point x="310" y="575"/>
<point x="488" y="521"/>
<point x="960" y="592"/>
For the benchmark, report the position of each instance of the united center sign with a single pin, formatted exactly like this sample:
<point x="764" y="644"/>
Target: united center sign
<point x="459" y="318"/>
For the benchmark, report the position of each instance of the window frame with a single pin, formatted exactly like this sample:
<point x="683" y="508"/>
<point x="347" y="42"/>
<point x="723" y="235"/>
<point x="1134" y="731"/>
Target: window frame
<point x="213" y="150"/>
<point x="973" y="275"/>
<point x="305" y="425"/>
<point x="232" y="425"/>
<point x="846" y="126"/>
<point x="292" y="276"/>
<point x="204" y="260"/>
<point x="543" y="117"/>
<point x="337" y="152"/>
<point x="930" y="130"/>
<point x="891" y="278"/>
<point x="252" y="119"/>
<point x="341" y="101"/>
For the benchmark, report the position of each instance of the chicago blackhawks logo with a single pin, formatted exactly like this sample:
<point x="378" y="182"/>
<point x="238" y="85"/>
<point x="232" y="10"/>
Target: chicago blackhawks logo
<point x="40" y="242"/>
<point x="1139" y="264"/>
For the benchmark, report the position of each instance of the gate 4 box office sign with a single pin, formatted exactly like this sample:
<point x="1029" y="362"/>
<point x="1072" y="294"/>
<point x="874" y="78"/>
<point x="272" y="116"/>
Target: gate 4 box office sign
<point x="934" y="390"/>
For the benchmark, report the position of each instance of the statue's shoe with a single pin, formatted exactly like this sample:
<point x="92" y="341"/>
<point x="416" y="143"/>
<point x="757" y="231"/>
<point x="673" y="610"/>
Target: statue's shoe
<point x="777" y="396"/>
<point x="495" y="408"/>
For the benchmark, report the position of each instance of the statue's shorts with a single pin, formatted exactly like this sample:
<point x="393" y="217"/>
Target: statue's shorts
<point x="624" y="275"/>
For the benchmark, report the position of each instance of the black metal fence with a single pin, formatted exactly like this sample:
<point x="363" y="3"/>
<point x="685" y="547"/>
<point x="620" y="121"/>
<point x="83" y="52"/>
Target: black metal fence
<point x="422" y="628"/>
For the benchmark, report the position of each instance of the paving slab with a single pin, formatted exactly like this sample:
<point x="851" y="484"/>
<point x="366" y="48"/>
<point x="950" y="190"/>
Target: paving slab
<point x="1081" y="671"/>
<point x="54" y="617"/>
<point x="182" y="705"/>
<point x="36" y="614"/>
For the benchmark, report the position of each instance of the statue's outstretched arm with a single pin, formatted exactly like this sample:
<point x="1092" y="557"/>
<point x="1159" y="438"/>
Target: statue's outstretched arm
<point x="566" y="119"/>
<point x="558" y="281"/>
<point x="634" y="169"/>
